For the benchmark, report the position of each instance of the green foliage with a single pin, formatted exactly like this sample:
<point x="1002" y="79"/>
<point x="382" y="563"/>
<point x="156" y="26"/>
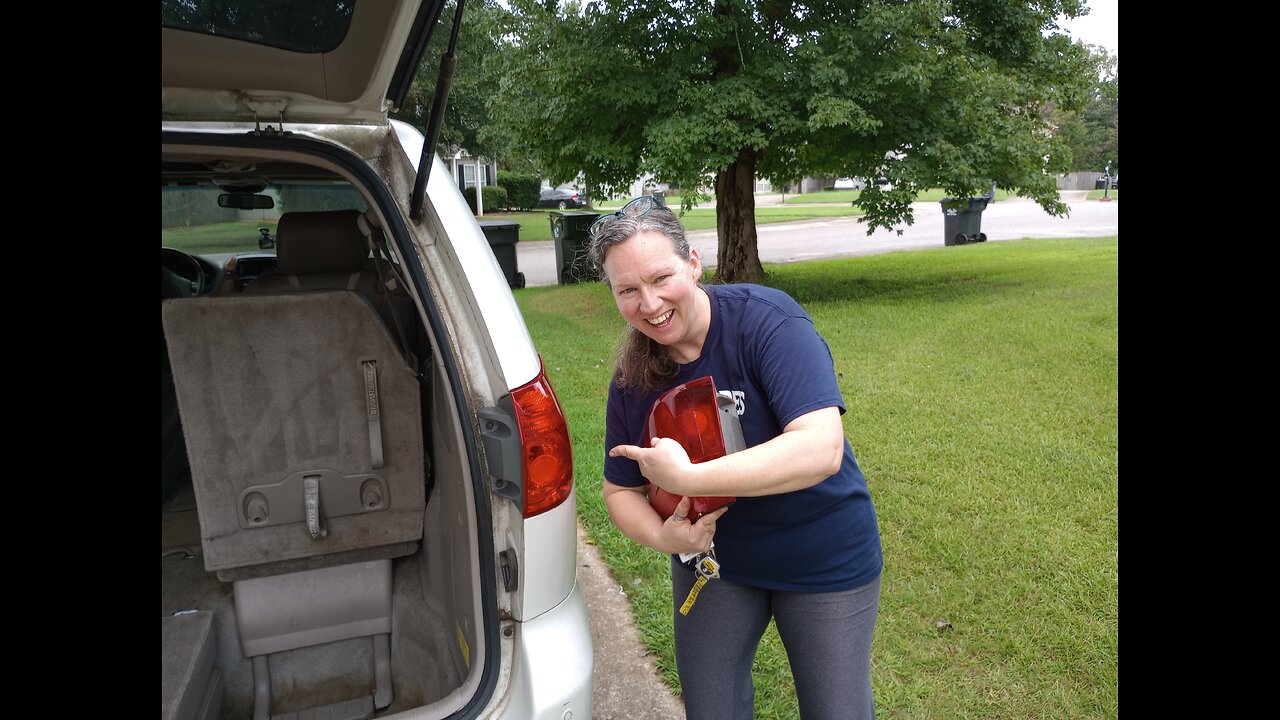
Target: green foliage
<point x="928" y="94"/>
<point x="495" y="198"/>
<point x="522" y="189"/>
<point x="983" y="408"/>
<point x="468" y="111"/>
<point x="1092" y="133"/>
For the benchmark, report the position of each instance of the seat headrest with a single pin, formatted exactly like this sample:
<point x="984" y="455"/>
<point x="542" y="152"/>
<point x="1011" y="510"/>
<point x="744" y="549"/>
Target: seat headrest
<point x="320" y="242"/>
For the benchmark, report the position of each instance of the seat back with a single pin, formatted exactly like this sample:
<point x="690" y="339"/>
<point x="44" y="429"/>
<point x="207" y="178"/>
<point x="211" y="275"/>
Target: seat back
<point x="303" y="427"/>
<point x="322" y="250"/>
<point x="329" y="250"/>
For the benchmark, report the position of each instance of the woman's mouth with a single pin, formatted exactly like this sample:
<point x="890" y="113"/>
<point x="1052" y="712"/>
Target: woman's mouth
<point x="661" y="320"/>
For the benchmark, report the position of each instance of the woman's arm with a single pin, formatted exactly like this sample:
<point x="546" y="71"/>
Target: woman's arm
<point x="629" y="507"/>
<point x="809" y="450"/>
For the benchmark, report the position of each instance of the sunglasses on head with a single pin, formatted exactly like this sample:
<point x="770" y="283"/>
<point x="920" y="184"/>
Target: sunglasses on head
<point x="643" y="205"/>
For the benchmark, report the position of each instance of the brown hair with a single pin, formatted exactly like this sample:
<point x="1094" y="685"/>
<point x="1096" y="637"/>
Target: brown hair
<point x="642" y="362"/>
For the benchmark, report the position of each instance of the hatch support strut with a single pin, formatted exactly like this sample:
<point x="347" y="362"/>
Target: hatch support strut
<point x="448" y="62"/>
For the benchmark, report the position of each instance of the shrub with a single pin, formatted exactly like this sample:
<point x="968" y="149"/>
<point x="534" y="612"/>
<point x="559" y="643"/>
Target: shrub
<point x="523" y="189"/>
<point x="495" y="198"/>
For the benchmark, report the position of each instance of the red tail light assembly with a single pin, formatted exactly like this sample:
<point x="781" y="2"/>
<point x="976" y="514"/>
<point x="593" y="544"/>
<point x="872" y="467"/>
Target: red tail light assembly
<point x="706" y="425"/>
<point x="546" y="455"/>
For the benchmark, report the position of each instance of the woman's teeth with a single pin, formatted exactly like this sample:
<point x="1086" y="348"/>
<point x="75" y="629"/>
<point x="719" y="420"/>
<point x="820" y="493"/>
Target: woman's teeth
<point x="661" y="318"/>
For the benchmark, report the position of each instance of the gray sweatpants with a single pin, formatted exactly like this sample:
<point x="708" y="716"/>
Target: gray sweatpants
<point x="827" y="637"/>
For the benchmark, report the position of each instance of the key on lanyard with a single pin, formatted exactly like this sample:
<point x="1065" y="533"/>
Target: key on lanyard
<point x="707" y="568"/>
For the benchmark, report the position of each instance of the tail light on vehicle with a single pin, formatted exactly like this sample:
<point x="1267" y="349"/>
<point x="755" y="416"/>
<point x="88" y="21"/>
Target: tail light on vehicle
<point x="546" y="453"/>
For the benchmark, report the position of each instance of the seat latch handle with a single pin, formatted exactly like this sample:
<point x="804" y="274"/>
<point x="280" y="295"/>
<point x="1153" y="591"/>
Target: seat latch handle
<point x="311" y="499"/>
<point x="374" y="414"/>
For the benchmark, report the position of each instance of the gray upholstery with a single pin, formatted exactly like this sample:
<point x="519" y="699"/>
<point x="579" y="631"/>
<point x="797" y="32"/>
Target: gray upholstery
<point x="303" y="421"/>
<point x="190" y="686"/>
<point x="327" y="251"/>
<point x="272" y="386"/>
<point x="319" y="251"/>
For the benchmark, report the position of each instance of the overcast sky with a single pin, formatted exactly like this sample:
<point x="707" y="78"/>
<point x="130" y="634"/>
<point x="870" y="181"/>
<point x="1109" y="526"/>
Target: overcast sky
<point x="1099" y="27"/>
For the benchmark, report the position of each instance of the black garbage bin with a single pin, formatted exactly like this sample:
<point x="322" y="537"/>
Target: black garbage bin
<point x="503" y="236"/>
<point x="963" y="225"/>
<point x="569" y="231"/>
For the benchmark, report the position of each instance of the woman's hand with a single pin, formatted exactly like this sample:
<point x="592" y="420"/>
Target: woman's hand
<point x="665" y="464"/>
<point x="637" y="519"/>
<point x="680" y="535"/>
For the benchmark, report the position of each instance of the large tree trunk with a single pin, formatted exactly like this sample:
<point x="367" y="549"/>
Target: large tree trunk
<point x="737" y="257"/>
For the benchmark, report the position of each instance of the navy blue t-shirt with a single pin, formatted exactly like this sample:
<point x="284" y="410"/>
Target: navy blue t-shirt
<point x="762" y="346"/>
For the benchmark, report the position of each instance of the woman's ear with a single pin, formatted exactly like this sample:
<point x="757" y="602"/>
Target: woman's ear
<point x="695" y="263"/>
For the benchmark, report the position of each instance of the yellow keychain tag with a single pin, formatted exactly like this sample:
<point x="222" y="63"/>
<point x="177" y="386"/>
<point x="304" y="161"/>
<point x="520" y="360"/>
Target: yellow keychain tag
<point x="693" y="595"/>
<point x="706" y="568"/>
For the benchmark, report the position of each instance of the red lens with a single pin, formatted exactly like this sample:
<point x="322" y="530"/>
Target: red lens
<point x="689" y="415"/>
<point x="544" y="439"/>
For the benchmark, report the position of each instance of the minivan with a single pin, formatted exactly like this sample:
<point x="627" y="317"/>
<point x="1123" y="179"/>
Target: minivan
<point x="367" y="498"/>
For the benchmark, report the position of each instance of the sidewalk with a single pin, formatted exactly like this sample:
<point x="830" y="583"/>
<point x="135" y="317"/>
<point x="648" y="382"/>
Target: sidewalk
<point x="625" y="682"/>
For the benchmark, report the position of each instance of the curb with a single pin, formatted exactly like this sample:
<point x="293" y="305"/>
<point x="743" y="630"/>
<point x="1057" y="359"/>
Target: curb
<point x="624" y="682"/>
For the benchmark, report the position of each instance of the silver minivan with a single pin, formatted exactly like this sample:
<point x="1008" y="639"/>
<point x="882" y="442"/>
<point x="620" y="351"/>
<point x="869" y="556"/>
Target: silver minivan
<point x="367" y="500"/>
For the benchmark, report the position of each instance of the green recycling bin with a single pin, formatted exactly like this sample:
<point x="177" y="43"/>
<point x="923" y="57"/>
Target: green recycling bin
<point x="503" y="236"/>
<point x="569" y="231"/>
<point x="963" y="225"/>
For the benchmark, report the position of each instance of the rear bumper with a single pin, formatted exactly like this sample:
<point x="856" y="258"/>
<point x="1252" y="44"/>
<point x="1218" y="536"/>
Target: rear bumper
<point x="554" y="663"/>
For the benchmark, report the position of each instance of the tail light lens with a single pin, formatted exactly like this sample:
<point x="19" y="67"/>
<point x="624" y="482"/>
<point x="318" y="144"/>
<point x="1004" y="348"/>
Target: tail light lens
<point x="545" y="448"/>
<point x="690" y="415"/>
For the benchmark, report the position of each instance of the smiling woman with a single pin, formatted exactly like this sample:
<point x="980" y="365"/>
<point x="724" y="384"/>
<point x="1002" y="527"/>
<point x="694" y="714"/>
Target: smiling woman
<point x="800" y="545"/>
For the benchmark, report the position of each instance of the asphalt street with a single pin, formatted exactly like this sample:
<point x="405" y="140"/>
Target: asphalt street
<point x="1011" y="219"/>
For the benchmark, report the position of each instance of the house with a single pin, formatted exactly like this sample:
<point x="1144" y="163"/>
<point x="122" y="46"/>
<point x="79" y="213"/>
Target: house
<point x="470" y="171"/>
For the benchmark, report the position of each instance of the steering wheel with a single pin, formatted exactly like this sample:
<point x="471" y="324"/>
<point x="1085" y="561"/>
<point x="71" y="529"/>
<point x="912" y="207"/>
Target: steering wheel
<point x="188" y="268"/>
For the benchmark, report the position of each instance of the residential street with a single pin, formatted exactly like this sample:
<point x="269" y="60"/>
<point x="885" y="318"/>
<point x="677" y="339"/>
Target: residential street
<point x="1010" y="219"/>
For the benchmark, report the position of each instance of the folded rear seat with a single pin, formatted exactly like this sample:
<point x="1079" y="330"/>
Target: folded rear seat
<point x="191" y="687"/>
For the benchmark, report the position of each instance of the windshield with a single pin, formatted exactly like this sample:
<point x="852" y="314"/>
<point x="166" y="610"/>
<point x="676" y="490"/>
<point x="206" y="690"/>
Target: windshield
<point x="193" y="221"/>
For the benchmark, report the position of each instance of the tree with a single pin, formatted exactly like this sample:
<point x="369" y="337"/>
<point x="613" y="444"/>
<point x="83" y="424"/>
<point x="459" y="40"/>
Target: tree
<point x="1092" y="134"/>
<point x="928" y="93"/>
<point x="467" y="114"/>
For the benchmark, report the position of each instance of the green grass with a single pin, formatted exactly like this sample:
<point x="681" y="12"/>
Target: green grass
<point x="981" y="383"/>
<point x="1096" y="194"/>
<point x="536" y="225"/>
<point x="239" y="236"/>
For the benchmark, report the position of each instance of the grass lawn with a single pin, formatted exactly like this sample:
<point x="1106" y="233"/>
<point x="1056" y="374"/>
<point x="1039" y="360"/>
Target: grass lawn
<point x="1097" y="194"/>
<point x="241" y="236"/>
<point x="536" y="224"/>
<point x="982" y="388"/>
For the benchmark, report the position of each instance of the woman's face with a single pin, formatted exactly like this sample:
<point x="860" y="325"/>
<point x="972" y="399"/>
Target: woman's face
<point x="657" y="292"/>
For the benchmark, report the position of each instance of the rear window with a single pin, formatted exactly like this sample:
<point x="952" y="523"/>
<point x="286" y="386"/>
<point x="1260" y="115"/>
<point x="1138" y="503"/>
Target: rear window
<point x="307" y="26"/>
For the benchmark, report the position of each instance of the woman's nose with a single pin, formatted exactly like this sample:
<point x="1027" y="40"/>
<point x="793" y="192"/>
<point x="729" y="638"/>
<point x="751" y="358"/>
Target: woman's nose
<point x="649" y="301"/>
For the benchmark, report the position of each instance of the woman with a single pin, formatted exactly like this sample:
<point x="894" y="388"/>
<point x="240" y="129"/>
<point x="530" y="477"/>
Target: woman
<point x="801" y="543"/>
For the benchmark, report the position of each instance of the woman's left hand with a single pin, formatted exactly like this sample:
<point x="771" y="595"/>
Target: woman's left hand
<point x="666" y="464"/>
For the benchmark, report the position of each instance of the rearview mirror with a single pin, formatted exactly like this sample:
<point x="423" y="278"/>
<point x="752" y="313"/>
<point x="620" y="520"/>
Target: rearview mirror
<point x="241" y="201"/>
